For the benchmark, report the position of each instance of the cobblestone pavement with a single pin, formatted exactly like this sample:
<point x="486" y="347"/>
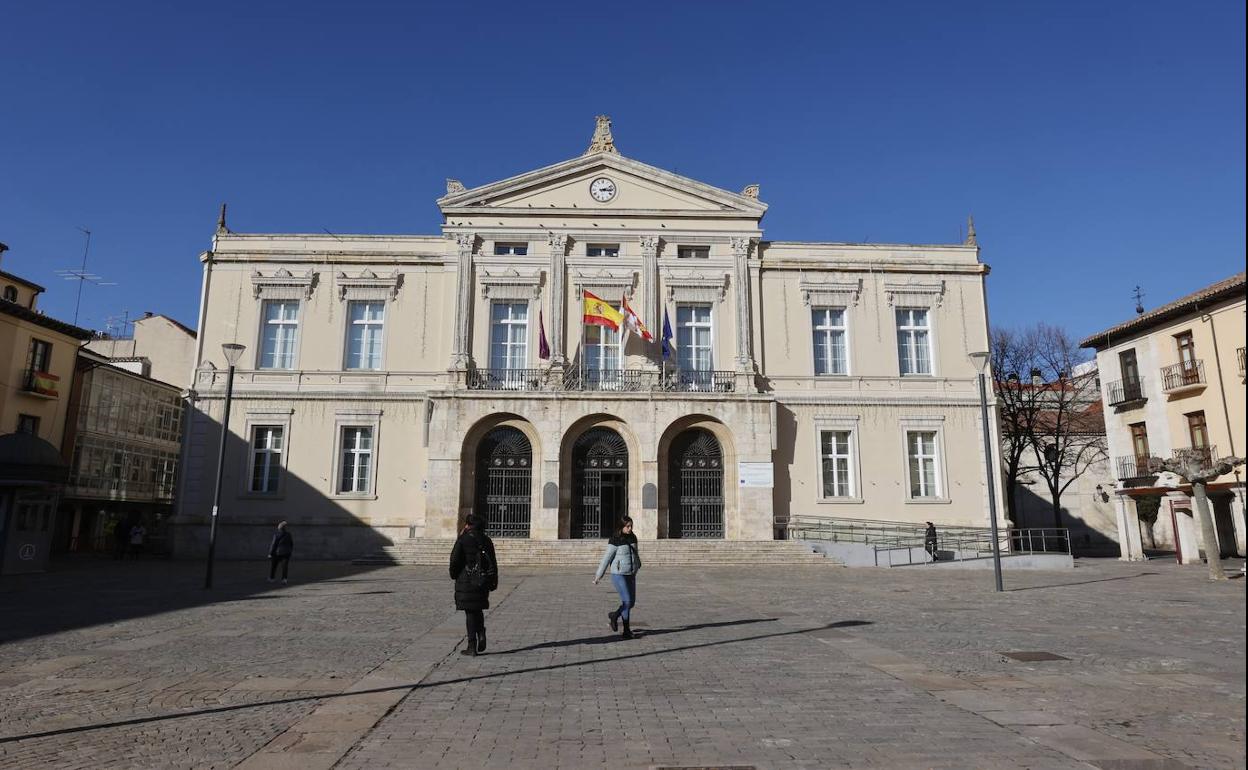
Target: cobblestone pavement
<point x="107" y="664"/>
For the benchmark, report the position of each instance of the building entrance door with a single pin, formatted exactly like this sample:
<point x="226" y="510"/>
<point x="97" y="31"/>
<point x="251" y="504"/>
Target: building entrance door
<point x="504" y="494"/>
<point x="696" y="492"/>
<point x="599" y="483"/>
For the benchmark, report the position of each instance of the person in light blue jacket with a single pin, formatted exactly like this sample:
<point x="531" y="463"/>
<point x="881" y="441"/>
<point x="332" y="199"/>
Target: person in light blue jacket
<point x="625" y="561"/>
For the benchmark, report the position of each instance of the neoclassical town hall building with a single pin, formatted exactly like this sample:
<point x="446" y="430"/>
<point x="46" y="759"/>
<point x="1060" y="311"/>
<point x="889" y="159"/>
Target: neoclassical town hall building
<point x="393" y="383"/>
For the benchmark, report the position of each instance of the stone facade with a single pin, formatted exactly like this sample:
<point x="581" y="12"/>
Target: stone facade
<point x="385" y="366"/>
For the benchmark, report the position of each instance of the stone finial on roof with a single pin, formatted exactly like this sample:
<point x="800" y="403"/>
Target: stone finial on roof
<point x="454" y="186"/>
<point x="750" y="191"/>
<point x="602" y="140"/>
<point x="221" y="228"/>
<point x="971" y="240"/>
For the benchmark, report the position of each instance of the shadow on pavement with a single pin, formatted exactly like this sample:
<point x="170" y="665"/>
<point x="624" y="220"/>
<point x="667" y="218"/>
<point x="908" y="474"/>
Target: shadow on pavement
<point x="429" y="685"/>
<point x="639" y="630"/>
<point x="1082" y="582"/>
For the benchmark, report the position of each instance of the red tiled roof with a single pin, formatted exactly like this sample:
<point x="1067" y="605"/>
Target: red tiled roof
<point x="1182" y="306"/>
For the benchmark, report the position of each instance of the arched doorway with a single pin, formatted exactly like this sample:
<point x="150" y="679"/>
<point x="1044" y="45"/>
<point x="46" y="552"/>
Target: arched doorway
<point x="599" y="482"/>
<point x="696" y="492"/>
<point x="505" y="482"/>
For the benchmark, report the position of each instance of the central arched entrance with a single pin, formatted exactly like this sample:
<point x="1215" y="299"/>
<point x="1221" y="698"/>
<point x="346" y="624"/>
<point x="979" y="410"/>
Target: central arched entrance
<point x="599" y="482"/>
<point x="504" y="494"/>
<point x="696" y="493"/>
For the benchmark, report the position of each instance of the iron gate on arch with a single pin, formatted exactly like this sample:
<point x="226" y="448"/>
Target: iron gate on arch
<point x="696" y="491"/>
<point x="599" y="482"/>
<point x="505" y="482"/>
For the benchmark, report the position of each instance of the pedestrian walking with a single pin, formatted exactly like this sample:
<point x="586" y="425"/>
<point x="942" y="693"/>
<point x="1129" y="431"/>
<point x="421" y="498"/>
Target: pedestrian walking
<point x="137" y="533"/>
<point x="280" y="549"/>
<point x="624" y="560"/>
<point x="475" y="572"/>
<point x="121" y="538"/>
<point x="930" y="541"/>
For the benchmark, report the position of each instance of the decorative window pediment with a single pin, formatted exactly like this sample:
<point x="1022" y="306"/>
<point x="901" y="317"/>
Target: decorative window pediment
<point x="369" y="286"/>
<point x="284" y="285"/>
<point x="823" y="291"/>
<point x="916" y="294"/>
<point x="605" y="284"/>
<point x="510" y="284"/>
<point x="696" y="287"/>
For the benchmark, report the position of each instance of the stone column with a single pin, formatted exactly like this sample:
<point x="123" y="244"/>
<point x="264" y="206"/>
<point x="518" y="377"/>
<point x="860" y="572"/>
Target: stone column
<point x="745" y="337"/>
<point x="651" y="316"/>
<point x="461" y="358"/>
<point x="558" y="302"/>
<point x="1130" y="547"/>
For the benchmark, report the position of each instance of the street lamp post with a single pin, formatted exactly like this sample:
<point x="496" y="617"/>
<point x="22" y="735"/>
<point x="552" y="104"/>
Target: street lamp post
<point x="232" y="351"/>
<point x="981" y="363"/>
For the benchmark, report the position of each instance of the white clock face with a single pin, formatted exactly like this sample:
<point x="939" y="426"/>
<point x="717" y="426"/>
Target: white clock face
<point x="602" y="189"/>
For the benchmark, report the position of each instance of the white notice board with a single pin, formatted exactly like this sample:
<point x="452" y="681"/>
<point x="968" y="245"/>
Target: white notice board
<point x="755" y="474"/>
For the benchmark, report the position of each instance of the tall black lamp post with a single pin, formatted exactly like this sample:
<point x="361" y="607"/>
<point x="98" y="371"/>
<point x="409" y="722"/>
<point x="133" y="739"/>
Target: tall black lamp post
<point x="232" y="351"/>
<point x="981" y="363"/>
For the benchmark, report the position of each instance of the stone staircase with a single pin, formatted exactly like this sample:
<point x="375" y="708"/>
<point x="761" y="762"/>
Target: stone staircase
<point x="587" y="553"/>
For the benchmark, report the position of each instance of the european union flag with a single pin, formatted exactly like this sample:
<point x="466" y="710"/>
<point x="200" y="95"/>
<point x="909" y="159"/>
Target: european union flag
<point x="667" y="337"/>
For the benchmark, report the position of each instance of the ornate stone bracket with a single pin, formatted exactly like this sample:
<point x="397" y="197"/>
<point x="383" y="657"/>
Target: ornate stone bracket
<point x="510" y="284"/>
<point x="607" y="285"/>
<point x="369" y="286"/>
<point x="694" y="288"/>
<point x="284" y="285"/>
<point x="820" y="291"/>
<point x="917" y="294"/>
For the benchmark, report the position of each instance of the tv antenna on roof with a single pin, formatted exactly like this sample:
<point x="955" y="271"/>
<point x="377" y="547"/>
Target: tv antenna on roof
<point x="117" y="325"/>
<point x="81" y="275"/>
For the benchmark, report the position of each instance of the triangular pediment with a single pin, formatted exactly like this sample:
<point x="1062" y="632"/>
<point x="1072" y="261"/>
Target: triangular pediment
<point x="638" y="187"/>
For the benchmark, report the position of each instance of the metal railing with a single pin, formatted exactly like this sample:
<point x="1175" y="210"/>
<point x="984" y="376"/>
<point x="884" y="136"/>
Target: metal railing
<point x="897" y="543"/>
<point x="1132" y="467"/>
<point x="1182" y="375"/>
<point x="1205" y="455"/>
<point x="573" y="379"/>
<point x="1124" y="392"/>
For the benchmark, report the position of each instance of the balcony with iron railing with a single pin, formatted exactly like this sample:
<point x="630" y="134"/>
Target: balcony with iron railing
<point x="1132" y="470"/>
<point x="1125" y="392"/>
<point x="1203" y="455"/>
<point x="1183" y="377"/>
<point x="36" y="382"/>
<point x="575" y="380"/>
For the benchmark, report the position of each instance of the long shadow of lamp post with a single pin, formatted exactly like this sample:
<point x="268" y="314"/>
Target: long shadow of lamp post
<point x="232" y="351"/>
<point x="981" y="363"/>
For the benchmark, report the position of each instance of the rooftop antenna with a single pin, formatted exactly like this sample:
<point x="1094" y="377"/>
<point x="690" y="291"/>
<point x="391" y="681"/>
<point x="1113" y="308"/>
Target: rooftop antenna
<point x="120" y="323"/>
<point x="1139" y="304"/>
<point x="81" y="275"/>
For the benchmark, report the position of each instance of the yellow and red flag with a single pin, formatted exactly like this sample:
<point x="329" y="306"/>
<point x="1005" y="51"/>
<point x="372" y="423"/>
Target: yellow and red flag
<point x="598" y="312"/>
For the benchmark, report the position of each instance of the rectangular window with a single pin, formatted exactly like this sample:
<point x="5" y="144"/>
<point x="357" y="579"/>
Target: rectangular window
<point x="1129" y="367"/>
<point x="365" y="326"/>
<point x="693" y="252"/>
<point x="1139" y="442"/>
<point x="279" y="333"/>
<point x="829" y="329"/>
<point x="924" y="469"/>
<point x="513" y="249"/>
<point x="28" y="423"/>
<point x="602" y="349"/>
<point x="1197" y="430"/>
<point x="914" y="352"/>
<point x="357" y="460"/>
<point x="693" y="338"/>
<point x="39" y="359"/>
<point x="509" y="335"/>
<point x="602" y="250"/>
<point x="837" y="463"/>
<point x="266" y="457"/>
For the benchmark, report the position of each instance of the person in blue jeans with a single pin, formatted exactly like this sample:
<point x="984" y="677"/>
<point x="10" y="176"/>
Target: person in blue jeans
<point x="625" y="561"/>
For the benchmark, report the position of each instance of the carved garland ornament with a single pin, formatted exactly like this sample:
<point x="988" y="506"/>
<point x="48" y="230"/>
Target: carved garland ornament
<point x="917" y="294"/>
<point x="369" y="286"/>
<point x="696" y="288"/>
<point x="283" y="285"/>
<point x="822" y="291"/>
<point x="607" y="285"/>
<point x="510" y="284"/>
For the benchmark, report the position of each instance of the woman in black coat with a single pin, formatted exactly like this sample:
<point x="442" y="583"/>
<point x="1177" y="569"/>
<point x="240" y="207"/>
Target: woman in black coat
<point x="475" y="572"/>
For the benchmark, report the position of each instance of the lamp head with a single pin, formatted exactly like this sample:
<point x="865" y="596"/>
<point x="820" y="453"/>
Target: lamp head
<point x="980" y="359"/>
<point x="233" y="351"/>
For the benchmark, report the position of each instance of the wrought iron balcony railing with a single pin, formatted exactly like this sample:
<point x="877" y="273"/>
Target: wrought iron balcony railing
<point x="1132" y="468"/>
<point x="574" y="380"/>
<point x="1205" y="455"/>
<point x="1183" y="375"/>
<point x="1125" y="392"/>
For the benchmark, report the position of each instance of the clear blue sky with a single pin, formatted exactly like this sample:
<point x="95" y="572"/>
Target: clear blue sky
<point x="1099" y="145"/>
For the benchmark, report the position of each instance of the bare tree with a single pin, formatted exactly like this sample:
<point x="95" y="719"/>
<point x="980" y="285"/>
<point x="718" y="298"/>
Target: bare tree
<point x="1052" y="421"/>
<point x="1198" y="468"/>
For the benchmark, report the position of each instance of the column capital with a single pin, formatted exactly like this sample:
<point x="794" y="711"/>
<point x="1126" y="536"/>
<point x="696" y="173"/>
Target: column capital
<point x="464" y="243"/>
<point x="649" y="245"/>
<point x="741" y="246"/>
<point x="558" y="243"/>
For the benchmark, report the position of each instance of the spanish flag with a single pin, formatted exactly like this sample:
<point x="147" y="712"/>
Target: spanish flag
<point x="599" y="313"/>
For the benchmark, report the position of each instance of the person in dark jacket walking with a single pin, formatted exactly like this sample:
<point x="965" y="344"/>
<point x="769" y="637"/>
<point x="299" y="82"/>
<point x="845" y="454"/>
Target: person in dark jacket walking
<point x="280" y="549"/>
<point x="475" y="572"/>
<point x="625" y="561"/>
<point x="930" y="541"/>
